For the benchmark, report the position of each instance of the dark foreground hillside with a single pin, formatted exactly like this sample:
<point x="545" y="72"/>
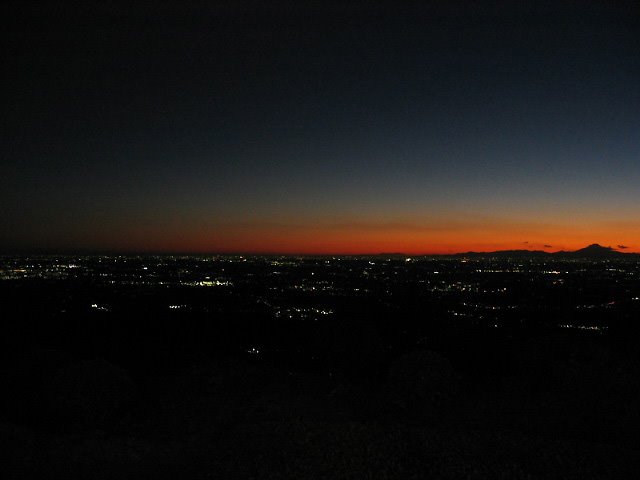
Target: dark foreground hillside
<point x="412" y="416"/>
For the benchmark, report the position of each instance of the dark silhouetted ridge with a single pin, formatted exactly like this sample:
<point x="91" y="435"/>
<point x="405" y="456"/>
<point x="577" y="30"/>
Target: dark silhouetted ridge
<point x="592" y="251"/>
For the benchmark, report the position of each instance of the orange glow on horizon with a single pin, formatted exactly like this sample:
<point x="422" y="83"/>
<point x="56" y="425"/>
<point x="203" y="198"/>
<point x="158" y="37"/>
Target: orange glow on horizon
<point x="364" y="239"/>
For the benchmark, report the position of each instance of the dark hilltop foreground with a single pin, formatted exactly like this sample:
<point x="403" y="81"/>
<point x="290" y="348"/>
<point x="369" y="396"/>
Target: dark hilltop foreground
<point x="499" y="365"/>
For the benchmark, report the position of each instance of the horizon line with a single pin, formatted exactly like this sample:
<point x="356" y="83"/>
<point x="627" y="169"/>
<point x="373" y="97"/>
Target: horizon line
<point x="83" y="251"/>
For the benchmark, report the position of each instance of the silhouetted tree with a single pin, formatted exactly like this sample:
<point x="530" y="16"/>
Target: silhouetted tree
<point x="91" y="393"/>
<point x="422" y="380"/>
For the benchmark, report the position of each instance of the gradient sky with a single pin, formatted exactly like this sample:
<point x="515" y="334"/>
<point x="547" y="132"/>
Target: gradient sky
<point x="240" y="127"/>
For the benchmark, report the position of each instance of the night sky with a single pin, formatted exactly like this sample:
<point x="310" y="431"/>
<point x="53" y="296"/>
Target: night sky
<point x="240" y="127"/>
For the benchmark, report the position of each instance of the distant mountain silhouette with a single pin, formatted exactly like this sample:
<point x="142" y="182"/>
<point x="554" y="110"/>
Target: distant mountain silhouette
<point x="592" y="251"/>
<point x="506" y="254"/>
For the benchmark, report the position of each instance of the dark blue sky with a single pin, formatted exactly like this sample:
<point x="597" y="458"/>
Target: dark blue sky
<point x="319" y="127"/>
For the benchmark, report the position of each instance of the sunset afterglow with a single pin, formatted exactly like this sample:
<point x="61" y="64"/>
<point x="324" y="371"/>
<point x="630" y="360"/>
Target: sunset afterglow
<point x="330" y="133"/>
